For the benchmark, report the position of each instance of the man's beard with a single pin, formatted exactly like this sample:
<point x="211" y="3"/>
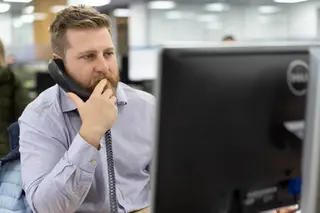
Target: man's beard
<point x="112" y="82"/>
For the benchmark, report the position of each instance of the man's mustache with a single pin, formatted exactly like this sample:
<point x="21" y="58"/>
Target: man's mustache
<point x="112" y="82"/>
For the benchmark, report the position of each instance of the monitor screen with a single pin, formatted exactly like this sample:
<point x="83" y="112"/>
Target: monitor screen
<point x="228" y="128"/>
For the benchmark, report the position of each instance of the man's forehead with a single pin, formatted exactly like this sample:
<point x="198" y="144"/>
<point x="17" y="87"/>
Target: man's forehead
<point x="89" y="38"/>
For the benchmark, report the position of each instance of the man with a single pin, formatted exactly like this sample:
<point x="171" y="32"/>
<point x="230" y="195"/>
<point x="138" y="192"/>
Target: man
<point x="228" y="38"/>
<point x="63" y="153"/>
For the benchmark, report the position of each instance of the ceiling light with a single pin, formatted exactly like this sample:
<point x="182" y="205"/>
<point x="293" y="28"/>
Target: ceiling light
<point x="120" y="12"/>
<point x="217" y="7"/>
<point x="27" y="18"/>
<point x="40" y="16"/>
<point x="57" y="8"/>
<point x="19" y="1"/>
<point x="161" y="5"/>
<point x="289" y="1"/>
<point x="173" y="15"/>
<point x="268" y="9"/>
<point x="28" y="10"/>
<point x="4" y="7"/>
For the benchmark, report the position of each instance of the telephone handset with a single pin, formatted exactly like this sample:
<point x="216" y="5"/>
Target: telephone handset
<point x="57" y="72"/>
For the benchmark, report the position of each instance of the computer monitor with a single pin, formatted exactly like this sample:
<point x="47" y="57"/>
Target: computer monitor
<point x="229" y="129"/>
<point x="124" y="73"/>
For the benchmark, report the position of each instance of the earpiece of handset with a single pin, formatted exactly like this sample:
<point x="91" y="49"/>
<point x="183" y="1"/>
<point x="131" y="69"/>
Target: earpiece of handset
<point x="57" y="72"/>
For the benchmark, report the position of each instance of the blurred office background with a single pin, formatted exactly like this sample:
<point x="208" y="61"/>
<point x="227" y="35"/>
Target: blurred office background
<point x="140" y="27"/>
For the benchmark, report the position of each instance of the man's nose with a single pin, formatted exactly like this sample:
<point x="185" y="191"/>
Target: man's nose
<point x="102" y="64"/>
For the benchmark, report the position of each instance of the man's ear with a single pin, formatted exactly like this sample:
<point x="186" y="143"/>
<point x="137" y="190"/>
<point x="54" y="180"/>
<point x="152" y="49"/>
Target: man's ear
<point x="56" y="56"/>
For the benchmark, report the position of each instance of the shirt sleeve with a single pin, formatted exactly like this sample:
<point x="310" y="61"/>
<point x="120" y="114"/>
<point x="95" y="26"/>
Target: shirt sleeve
<point x="55" y="179"/>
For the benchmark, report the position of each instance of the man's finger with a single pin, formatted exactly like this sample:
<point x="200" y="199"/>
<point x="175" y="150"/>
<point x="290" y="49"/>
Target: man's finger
<point x="75" y="99"/>
<point x="113" y="99"/>
<point x="100" y="87"/>
<point x="108" y="93"/>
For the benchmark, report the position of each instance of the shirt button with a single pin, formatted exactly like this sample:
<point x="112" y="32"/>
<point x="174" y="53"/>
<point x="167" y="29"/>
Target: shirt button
<point x="93" y="162"/>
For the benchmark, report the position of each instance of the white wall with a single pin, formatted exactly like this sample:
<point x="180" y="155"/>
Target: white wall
<point x="15" y="36"/>
<point x="5" y="26"/>
<point x="23" y="35"/>
<point x="265" y="27"/>
<point x="138" y="24"/>
<point x="295" y="21"/>
<point x="114" y="31"/>
<point x="303" y="20"/>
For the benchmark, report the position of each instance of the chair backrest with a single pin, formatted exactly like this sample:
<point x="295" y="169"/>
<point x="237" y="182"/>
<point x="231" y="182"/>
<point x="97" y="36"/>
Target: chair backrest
<point x="14" y="153"/>
<point x="14" y="132"/>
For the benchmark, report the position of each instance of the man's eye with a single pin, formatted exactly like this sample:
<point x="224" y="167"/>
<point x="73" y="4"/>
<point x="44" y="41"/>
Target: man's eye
<point x="108" y="53"/>
<point x="89" y="57"/>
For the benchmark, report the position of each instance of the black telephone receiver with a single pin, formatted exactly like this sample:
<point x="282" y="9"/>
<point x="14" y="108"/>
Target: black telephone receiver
<point x="57" y="72"/>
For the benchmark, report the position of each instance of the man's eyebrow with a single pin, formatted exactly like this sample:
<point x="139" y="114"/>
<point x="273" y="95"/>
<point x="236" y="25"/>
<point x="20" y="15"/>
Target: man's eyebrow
<point x="87" y="51"/>
<point x="95" y="51"/>
<point x="109" y="49"/>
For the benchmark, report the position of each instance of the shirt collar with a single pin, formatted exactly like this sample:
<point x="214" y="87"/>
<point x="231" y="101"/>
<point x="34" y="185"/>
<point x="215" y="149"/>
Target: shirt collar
<point x="67" y="105"/>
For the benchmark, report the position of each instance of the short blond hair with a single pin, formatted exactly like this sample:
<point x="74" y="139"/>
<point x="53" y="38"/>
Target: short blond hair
<point x="75" y="17"/>
<point x="3" y="61"/>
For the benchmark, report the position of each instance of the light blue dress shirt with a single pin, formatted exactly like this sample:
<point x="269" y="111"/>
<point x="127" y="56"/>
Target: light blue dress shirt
<point x="62" y="173"/>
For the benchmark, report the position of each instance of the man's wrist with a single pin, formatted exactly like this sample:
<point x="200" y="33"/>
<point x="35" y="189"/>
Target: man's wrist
<point x="90" y="136"/>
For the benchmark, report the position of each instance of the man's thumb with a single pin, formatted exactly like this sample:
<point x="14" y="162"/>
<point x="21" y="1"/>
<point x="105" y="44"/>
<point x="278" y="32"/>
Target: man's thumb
<point x="75" y="99"/>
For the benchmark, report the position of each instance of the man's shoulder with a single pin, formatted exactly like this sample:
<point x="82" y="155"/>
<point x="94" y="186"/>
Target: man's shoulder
<point x="45" y="103"/>
<point x="138" y="96"/>
<point x="44" y="115"/>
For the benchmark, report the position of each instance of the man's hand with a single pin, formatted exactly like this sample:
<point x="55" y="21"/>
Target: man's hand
<point x="98" y="113"/>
